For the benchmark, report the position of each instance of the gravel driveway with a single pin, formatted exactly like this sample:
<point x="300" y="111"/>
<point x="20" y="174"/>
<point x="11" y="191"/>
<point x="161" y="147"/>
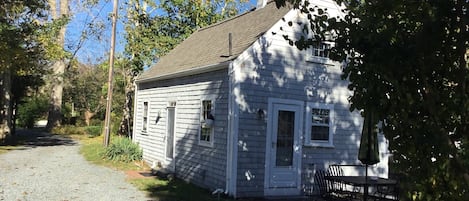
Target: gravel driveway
<point x="49" y="167"/>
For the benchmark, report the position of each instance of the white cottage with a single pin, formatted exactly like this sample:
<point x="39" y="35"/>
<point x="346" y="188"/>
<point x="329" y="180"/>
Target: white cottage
<point x="235" y="107"/>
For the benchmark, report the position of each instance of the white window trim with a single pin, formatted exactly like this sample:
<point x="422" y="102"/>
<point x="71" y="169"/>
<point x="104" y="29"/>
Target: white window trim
<point x="319" y="143"/>
<point x="317" y="59"/>
<point x="212" y="132"/>
<point x="145" y="131"/>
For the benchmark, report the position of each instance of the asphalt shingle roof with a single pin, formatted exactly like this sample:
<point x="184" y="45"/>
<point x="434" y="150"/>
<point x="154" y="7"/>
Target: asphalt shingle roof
<point x="209" y="45"/>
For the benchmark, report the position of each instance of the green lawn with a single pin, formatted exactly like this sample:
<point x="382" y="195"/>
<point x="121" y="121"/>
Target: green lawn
<point x="156" y="188"/>
<point x="173" y="190"/>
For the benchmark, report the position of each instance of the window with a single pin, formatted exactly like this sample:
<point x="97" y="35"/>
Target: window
<point x="321" y="49"/>
<point x="145" y="117"/>
<point x="206" y="122"/>
<point x="319" y="125"/>
<point x="320" y="52"/>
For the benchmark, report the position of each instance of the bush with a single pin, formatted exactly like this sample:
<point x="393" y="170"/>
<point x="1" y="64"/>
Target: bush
<point x="69" y="130"/>
<point x="93" y="131"/>
<point x="124" y="150"/>
<point x="32" y="110"/>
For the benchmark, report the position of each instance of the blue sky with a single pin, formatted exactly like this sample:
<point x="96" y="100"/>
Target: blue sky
<point x="95" y="49"/>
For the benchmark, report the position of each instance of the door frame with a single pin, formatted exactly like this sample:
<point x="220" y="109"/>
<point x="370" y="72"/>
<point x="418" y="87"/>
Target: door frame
<point x="170" y="162"/>
<point x="297" y="146"/>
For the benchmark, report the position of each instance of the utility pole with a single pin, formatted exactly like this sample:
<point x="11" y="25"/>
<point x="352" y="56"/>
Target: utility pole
<point x="107" y="120"/>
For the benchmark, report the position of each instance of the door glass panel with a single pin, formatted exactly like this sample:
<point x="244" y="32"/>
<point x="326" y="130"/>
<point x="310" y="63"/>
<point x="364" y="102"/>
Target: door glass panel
<point x="285" y="134"/>
<point x="170" y="134"/>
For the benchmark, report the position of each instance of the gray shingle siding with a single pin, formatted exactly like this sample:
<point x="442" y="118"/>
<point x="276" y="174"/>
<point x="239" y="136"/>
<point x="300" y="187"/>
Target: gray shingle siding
<point x="202" y="165"/>
<point x="269" y="68"/>
<point x="273" y="69"/>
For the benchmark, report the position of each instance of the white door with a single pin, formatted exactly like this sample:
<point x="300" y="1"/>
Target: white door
<point x="169" y="138"/>
<point x="283" y="149"/>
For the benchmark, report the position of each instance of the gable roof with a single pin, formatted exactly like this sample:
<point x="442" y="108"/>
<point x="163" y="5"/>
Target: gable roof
<point x="209" y="46"/>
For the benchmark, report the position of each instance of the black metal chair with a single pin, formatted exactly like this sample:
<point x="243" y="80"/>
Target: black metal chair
<point x="339" y="189"/>
<point x="336" y="170"/>
<point x="387" y="193"/>
<point x="320" y="180"/>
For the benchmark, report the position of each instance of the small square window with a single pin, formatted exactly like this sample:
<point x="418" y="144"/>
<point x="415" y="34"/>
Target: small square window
<point x="321" y="49"/>
<point x="320" y="52"/>
<point x="319" y="127"/>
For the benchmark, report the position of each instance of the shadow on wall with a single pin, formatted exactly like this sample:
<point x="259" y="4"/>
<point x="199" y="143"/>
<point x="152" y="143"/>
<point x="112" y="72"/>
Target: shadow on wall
<point x="282" y="71"/>
<point x="271" y="71"/>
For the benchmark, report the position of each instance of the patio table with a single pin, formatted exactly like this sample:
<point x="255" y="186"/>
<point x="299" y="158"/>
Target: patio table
<point x="362" y="181"/>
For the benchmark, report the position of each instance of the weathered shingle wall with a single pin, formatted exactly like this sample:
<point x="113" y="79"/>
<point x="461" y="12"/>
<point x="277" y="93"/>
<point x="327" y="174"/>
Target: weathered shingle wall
<point x="272" y="68"/>
<point x="202" y="165"/>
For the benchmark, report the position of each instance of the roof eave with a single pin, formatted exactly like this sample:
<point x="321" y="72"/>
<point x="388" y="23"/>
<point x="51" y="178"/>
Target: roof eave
<point x="192" y="71"/>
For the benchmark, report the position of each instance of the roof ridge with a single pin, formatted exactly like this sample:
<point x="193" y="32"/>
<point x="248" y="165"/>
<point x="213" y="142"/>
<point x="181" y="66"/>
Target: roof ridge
<point x="252" y="10"/>
<point x="207" y="46"/>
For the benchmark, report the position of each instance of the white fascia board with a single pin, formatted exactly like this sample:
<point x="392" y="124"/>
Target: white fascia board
<point x="192" y="71"/>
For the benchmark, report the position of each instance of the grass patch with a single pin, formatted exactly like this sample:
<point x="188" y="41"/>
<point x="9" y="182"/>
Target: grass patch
<point x="7" y="148"/>
<point x="173" y="190"/>
<point x="77" y="132"/>
<point x="93" y="151"/>
<point x="156" y="188"/>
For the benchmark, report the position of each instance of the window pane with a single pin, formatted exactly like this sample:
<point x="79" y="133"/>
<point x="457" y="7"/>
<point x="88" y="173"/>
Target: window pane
<point x="320" y="133"/>
<point x="206" y="112"/>
<point x="170" y="132"/>
<point x="321" y="49"/>
<point x="205" y="134"/>
<point x="320" y="124"/>
<point x="207" y="108"/>
<point x="320" y="116"/>
<point x="145" y="116"/>
<point x="285" y="134"/>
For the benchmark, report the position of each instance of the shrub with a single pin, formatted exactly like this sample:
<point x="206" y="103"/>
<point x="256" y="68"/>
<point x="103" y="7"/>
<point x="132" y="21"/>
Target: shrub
<point x="32" y="110"/>
<point x="93" y="131"/>
<point x="69" y="130"/>
<point x="124" y="150"/>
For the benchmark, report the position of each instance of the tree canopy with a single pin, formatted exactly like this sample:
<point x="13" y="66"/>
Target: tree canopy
<point x="22" y="61"/>
<point x="153" y="29"/>
<point x="408" y="62"/>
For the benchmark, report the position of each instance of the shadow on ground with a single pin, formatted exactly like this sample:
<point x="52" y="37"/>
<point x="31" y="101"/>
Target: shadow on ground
<point x="37" y="138"/>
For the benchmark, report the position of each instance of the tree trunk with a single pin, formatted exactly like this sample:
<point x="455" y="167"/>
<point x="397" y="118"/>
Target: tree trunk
<point x="125" y="126"/>
<point x="88" y="116"/>
<point x="5" y="110"/>
<point x="58" y="67"/>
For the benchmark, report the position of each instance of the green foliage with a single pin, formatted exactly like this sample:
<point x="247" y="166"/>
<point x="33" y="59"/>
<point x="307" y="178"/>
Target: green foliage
<point x="84" y="87"/>
<point x="69" y="130"/>
<point x="22" y="59"/>
<point x="152" y="30"/>
<point x="124" y="150"/>
<point x="33" y="109"/>
<point x="408" y="62"/>
<point x="48" y="37"/>
<point x="93" y="131"/>
<point x="93" y="151"/>
<point x="151" y="34"/>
